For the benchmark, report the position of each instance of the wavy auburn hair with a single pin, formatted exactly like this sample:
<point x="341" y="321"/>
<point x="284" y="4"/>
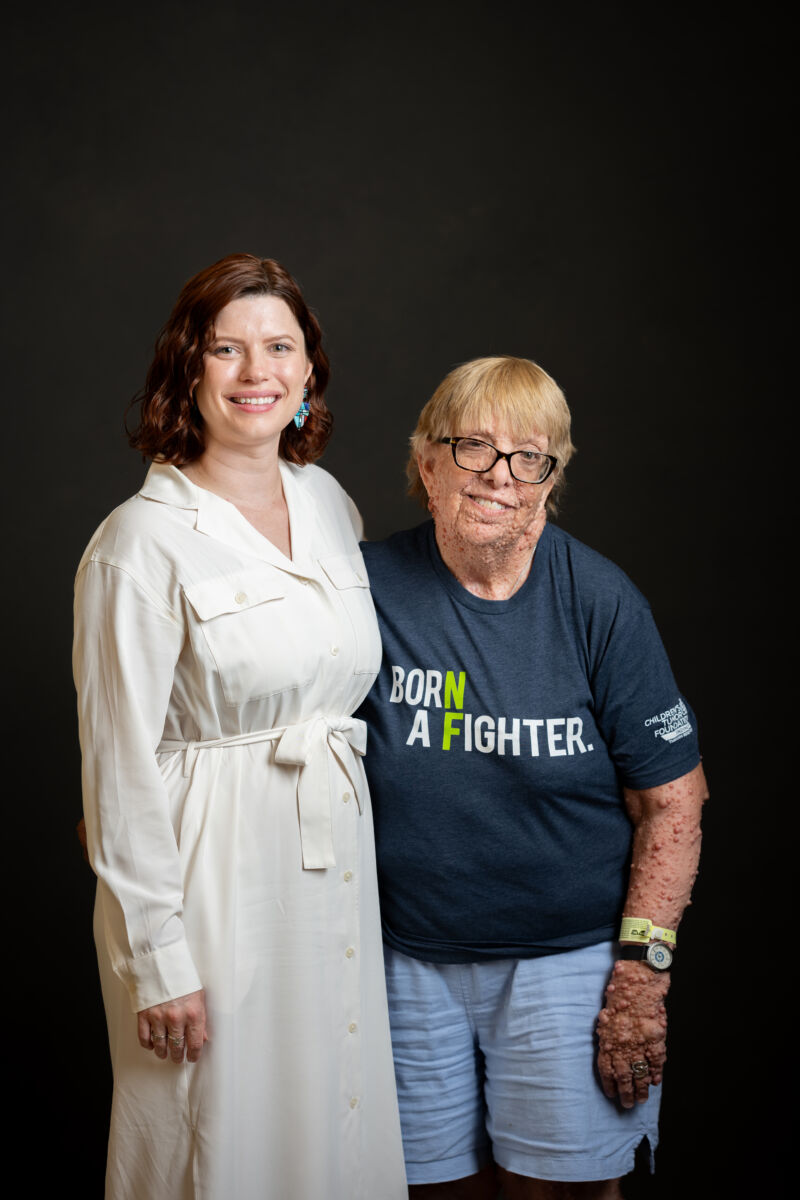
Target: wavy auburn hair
<point x="170" y="426"/>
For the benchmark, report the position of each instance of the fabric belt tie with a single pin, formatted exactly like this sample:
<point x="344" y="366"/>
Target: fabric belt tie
<point x="306" y="746"/>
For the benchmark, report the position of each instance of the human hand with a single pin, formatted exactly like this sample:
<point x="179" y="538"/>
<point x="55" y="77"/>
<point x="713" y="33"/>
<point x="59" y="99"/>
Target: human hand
<point x="174" y="1027"/>
<point x="80" y="829"/>
<point x="632" y="1029"/>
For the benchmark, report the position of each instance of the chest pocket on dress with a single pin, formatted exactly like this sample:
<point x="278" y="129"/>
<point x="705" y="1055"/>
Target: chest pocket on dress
<point x="257" y="648"/>
<point x="348" y="574"/>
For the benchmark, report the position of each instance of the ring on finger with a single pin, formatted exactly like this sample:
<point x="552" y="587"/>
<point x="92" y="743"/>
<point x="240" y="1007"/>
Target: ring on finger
<point x="640" y="1068"/>
<point x="159" y="1037"/>
<point x="176" y="1041"/>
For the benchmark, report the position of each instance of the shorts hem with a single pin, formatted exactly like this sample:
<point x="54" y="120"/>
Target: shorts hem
<point x="572" y="1168"/>
<point x="445" y="1170"/>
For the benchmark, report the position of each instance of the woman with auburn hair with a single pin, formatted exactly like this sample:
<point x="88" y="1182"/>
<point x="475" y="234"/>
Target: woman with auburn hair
<point x="224" y="636"/>
<point x="537" y="792"/>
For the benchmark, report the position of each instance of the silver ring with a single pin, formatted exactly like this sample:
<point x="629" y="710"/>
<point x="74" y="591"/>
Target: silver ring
<point x="640" y="1068"/>
<point x="176" y="1041"/>
<point x="159" y="1037"/>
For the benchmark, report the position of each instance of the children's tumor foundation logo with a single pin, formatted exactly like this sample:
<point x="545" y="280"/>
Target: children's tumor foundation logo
<point x="672" y="724"/>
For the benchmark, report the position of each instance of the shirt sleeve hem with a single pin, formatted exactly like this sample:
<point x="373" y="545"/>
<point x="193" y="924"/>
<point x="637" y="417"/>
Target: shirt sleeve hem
<point x="162" y="975"/>
<point x="666" y="773"/>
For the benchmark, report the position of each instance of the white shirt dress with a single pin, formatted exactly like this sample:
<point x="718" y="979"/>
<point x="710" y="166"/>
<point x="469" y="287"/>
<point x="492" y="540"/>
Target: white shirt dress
<point x="229" y="824"/>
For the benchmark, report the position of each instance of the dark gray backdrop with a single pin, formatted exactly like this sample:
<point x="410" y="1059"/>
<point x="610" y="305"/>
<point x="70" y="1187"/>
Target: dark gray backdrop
<point x="592" y="186"/>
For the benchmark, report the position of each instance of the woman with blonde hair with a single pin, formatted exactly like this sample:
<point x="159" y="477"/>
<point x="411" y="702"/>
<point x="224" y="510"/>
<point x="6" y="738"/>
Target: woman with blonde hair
<point x="537" y="790"/>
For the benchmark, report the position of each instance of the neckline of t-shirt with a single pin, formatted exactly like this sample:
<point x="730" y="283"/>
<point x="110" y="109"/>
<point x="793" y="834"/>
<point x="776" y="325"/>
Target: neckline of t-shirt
<point x="466" y="598"/>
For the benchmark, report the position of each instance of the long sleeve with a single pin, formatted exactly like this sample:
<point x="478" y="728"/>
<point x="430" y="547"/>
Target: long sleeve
<point x="125" y="651"/>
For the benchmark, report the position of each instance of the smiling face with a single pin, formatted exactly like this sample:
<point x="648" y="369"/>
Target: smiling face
<point x="253" y="375"/>
<point x="491" y="510"/>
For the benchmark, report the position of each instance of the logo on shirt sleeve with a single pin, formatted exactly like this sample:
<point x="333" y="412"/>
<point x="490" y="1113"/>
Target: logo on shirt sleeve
<point x="672" y="724"/>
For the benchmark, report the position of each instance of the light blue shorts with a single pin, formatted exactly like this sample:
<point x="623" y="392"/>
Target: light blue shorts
<point x="497" y="1060"/>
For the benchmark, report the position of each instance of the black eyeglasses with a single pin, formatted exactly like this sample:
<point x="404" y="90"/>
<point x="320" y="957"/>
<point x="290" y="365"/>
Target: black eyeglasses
<point x="526" y="466"/>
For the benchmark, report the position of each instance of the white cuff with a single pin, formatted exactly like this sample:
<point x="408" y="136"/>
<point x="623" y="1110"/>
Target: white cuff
<point x="162" y="975"/>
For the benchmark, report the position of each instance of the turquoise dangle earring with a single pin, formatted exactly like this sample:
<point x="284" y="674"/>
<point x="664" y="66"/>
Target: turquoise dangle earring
<point x="301" y="416"/>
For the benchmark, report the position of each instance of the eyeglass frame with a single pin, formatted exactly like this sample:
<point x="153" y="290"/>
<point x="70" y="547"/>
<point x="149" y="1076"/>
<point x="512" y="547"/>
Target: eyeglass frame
<point x="452" y="442"/>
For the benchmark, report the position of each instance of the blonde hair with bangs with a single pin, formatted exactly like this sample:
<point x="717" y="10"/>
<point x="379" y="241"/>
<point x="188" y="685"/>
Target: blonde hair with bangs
<point x="515" y="391"/>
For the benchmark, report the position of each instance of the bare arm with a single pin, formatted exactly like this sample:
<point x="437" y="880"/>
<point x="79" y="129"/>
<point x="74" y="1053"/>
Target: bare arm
<point x="666" y="849"/>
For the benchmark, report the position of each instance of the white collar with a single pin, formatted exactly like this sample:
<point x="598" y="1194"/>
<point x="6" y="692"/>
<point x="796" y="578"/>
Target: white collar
<point x="219" y="519"/>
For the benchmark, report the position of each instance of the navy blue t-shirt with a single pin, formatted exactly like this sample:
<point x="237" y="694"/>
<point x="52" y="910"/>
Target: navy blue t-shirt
<point x="501" y="733"/>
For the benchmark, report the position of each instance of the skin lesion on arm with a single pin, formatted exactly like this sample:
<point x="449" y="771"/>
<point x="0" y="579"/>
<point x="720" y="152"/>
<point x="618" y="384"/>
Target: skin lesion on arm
<point x="666" y="850"/>
<point x="666" y="847"/>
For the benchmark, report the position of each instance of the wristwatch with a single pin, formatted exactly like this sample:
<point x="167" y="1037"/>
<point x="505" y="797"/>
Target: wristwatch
<point x="657" y="955"/>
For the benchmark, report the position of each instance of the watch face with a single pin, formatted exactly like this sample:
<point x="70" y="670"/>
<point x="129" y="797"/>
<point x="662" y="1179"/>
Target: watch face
<point x="659" y="956"/>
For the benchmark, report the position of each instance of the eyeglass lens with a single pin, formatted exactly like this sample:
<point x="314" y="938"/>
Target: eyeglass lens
<point x="527" y="465"/>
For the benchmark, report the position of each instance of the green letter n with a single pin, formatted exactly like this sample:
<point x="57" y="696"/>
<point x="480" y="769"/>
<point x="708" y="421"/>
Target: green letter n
<point x="453" y="692"/>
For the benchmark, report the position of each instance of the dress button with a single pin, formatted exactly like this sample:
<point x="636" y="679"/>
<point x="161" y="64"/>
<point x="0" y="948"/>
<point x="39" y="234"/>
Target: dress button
<point x="346" y="797"/>
<point x="334" y="650"/>
<point x="354" y="1101"/>
<point x="349" y="952"/>
<point x="241" y="597"/>
<point x="352" y="1027"/>
<point x="348" y="875"/>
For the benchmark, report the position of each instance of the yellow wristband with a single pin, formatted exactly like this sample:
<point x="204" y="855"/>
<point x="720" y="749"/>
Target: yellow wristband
<point x="639" y="929"/>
